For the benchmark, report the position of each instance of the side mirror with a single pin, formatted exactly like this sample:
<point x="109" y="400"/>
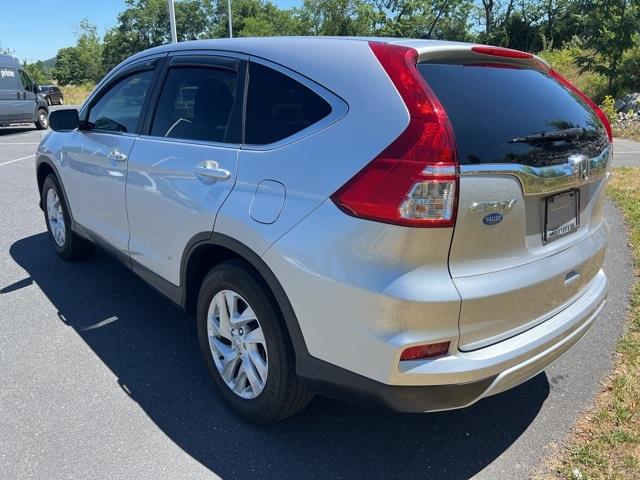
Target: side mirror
<point x="36" y="88"/>
<point x="64" y="120"/>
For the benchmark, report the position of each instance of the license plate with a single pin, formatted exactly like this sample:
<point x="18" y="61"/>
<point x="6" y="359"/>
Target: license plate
<point x="561" y="215"/>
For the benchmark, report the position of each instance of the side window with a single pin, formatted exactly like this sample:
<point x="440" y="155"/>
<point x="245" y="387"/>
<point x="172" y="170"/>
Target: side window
<point x="197" y="103"/>
<point x="119" y="109"/>
<point x="279" y="106"/>
<point x="27" y="84"/>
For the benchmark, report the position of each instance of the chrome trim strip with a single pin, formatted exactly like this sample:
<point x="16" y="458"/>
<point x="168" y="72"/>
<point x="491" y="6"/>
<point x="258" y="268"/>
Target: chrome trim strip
<point x="554" y="178"/>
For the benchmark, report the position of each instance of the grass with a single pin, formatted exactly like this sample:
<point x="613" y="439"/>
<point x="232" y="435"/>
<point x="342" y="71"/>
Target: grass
<point x="605" y="443"/>
<point x="632" y="133"/>
<point x="76" y="94"/>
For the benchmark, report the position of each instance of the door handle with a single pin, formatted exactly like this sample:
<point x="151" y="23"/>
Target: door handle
<point x="116" y="156"/>
<point x="208" y="172"/>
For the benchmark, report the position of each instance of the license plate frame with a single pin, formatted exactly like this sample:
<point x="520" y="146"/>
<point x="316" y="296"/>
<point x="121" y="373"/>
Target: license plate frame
<point x="561" y="215"/>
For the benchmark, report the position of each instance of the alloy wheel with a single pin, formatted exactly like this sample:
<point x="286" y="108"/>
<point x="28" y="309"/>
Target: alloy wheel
<point x="55" y="215"/>
<point x="237" y="344"/>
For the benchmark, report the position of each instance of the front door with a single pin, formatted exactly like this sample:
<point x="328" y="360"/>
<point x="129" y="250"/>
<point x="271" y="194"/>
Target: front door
<point x="28" y="98"/>
<point x="181" y="172"/>
<point x="98" y="169"/>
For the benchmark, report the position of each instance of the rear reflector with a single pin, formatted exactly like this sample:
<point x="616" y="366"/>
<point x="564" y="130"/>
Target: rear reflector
<point x="601" y="115"/>
<point x="500" y="52"/>
<point x="425" y="351"/>
<point x="414" y="181"/>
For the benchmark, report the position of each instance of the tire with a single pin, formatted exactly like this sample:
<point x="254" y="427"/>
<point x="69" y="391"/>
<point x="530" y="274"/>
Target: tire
<point x="61" y="101"/>
<point x="66" y="243"/>
<point x="42" y="119"/>
<point x="282" y="394"/>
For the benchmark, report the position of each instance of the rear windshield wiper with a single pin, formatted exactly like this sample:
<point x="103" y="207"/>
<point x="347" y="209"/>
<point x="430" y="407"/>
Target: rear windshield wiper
<point x="574" y="132"/>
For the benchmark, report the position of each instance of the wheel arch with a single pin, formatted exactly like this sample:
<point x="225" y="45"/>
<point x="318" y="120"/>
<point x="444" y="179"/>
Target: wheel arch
<point x="206" y="250"/>
<point x="44" y="168"/>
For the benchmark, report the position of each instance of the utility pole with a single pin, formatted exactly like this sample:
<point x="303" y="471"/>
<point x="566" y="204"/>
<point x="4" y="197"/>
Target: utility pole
<point x="172" y="21"/>
<point x="230" y="21"/>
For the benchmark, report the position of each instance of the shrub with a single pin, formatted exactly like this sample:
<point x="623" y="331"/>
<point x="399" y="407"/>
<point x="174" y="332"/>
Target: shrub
<point x="609" y="110"/>
<point x="563" y="61"/>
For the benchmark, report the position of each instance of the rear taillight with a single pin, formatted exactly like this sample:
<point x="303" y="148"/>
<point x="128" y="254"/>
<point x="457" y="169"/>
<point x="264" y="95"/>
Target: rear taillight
<point x="601" y="115"/>
<point x="414" y="181"/>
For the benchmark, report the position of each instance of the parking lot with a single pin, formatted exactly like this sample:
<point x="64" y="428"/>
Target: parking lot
<point x="102" y="378"/>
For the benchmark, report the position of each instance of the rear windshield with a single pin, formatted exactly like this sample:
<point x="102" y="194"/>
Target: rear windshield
<point x="502" y="114"/>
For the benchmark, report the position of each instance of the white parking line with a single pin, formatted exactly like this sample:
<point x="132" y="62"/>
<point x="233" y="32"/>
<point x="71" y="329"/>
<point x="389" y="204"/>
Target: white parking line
<point x="17" y="160"/>
<point x="618" y="152"/>
<point x="18" y="143"/>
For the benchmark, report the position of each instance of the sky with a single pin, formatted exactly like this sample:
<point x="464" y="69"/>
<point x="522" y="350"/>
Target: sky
<point x="37" y="29"/>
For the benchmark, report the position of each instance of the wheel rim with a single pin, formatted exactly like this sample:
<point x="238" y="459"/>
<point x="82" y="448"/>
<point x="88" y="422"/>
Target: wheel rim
<point x="55" y="216"/>
<point x="237" y="344"/>
<point x="43" y="120"/>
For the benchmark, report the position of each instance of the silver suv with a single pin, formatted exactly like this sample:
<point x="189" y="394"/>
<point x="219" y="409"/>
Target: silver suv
<point x="414" y="224"/>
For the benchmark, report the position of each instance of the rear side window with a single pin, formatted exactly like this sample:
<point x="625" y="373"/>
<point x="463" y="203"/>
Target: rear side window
<point x="279" y="106"/>
<point x="119" y="109"/>
<point x="197" y="103"/>
<point x="502" y="114"/>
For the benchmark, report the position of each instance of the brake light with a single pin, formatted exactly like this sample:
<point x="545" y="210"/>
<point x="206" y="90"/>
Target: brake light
<point x="414" y="181"/>
<point x="601" y="115"/>
<point x="500" y="52"/>
<point x="420" y="352"/>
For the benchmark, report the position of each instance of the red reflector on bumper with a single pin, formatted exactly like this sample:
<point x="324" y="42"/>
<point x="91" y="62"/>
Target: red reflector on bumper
<point x="425" y="351"/>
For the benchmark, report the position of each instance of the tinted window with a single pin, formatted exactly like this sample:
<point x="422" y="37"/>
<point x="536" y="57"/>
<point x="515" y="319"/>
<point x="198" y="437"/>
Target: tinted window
<point x="197" y="103"/>
<point x="8" y="78"/>
<point x="279" y="106"/>
<point x="513" y="115"/>
<point x="119" y="109"/>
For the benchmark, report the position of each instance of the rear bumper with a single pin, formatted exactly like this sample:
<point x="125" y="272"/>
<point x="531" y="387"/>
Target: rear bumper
<point x="463" y="378"/>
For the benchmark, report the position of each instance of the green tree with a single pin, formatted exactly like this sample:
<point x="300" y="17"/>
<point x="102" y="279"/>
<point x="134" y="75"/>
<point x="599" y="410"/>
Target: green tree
<point x="145" y="24"/>
<point x="339" y="17"/>
<point x="37" y="72"/>
<point x="439" y="19"/>
<point x="81" y="63"/>
<point x="256" y="18"/>
<point x="68" y="68"/>
<point x="89" y="51"/>
<point x="611" y="28"/>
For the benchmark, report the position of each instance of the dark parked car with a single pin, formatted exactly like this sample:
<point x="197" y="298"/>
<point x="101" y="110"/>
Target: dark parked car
<point x="51" y="94"/>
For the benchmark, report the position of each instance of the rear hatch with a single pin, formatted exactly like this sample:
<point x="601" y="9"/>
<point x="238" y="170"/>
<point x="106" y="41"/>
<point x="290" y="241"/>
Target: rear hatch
<point x="529" y="233"/>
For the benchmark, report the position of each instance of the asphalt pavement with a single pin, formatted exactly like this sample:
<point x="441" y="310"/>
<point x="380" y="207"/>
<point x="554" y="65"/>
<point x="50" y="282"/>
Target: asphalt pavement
<point x="101" y="378"/>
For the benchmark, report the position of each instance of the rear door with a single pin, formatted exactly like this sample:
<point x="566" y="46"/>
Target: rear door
<point x="529" y="234"/>
<point x="184" y="166"/>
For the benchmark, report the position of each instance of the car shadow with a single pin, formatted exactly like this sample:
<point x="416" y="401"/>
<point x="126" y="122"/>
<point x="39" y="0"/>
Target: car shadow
<point x="17" y="129"/>
<point x="151" y="346"/>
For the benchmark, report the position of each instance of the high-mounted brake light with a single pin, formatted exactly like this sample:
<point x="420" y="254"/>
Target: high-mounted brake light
<point x="500" y="52"/>
<point x="601" y="115"/>
<point x="414" y="181"/>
